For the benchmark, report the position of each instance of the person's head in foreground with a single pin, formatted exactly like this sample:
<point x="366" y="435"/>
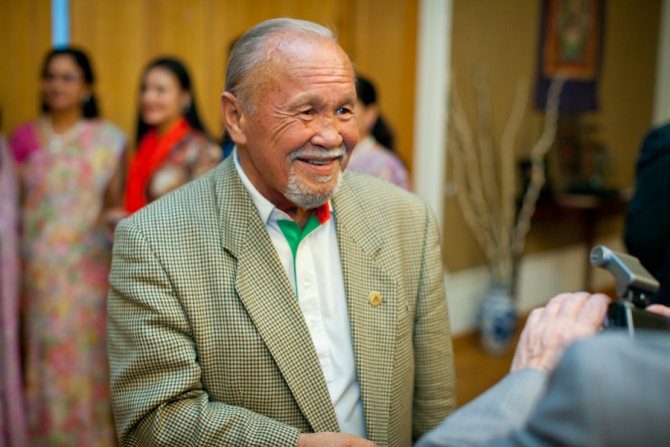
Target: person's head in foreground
<point x="289" y="107"/>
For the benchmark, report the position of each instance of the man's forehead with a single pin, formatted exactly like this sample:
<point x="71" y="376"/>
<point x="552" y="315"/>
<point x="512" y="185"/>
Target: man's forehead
<point x="292" y="58"/>
<point x="291" y="47"/>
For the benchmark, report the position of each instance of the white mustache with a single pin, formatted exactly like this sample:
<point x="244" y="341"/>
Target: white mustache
<point x="319" y="154"/>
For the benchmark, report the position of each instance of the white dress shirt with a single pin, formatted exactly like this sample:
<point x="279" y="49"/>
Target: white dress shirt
<point x="316" y="278"/>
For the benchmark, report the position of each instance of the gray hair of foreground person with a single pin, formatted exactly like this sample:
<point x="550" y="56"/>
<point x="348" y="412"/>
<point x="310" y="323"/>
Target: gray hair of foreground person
<point x="249" y="53"/>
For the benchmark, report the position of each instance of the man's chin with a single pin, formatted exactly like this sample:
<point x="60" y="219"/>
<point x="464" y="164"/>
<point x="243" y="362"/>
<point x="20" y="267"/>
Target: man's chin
<point x="311" y="194"/>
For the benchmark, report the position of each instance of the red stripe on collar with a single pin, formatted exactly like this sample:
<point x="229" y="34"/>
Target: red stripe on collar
<point x="323" y="213"/>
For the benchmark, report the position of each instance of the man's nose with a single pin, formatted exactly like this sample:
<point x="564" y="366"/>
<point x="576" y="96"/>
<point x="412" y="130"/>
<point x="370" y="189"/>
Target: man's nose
<point x="328" y="133"/>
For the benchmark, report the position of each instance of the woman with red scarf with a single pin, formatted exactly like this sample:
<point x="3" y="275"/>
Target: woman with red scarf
<point x="172" y="145"/>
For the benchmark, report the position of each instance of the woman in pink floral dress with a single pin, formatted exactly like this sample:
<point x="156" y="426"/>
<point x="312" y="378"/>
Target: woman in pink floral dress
<point x="12" y="415"/>
<point x="70" y="166"/>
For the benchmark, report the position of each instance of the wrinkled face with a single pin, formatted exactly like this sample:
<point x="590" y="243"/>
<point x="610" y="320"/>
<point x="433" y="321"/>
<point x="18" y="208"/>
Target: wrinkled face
<point x="161" y="97"/>
<point x="64" y="85"/>
<point x="298" y="139"/>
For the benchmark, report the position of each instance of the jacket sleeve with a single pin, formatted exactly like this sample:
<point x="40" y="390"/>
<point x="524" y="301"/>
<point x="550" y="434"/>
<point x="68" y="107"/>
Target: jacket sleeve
<point x="157" y="393"/>
<point x="647" y="233"/>
<point x="501" y="409"/>
<point x="623" y="404"/>
<point x="434" y="383"/>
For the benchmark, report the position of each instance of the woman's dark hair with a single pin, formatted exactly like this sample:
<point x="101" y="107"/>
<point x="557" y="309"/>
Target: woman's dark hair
<point x="177" y="68"/>
<point x="380" y="130"/>
<point x="89" y="106"/>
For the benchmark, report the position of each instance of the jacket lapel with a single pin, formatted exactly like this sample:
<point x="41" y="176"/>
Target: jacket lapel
<point x="373" y="328"/>
<point x="264" y="290"/>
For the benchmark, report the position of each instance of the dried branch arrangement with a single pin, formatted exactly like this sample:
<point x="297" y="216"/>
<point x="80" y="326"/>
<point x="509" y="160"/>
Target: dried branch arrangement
<point x="485" y="180"/>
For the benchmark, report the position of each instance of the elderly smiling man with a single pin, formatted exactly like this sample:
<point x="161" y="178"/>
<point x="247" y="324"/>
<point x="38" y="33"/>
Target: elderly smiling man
<point x="277" y="300"/>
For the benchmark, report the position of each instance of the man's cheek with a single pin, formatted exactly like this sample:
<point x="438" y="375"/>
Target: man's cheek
<point x="350" y="138"/>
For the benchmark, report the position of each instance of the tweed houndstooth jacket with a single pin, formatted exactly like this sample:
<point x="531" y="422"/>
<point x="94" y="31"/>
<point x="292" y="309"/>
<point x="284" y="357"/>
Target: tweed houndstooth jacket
<point x="207" y="343"/>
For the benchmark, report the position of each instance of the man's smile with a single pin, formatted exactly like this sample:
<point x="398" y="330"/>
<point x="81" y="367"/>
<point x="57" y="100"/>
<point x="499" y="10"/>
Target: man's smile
<point x="320" y="162"/>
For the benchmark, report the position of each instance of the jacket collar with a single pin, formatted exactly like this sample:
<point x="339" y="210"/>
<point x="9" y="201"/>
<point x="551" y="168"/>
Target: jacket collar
<point x="266" y="293"/>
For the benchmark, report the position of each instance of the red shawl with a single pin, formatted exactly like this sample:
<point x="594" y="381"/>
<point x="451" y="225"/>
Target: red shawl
<point x="150" y="155"/>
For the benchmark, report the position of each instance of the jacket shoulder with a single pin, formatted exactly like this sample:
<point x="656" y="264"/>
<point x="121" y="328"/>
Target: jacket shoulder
<point x="381" y="197"/>
<point x="656" y="143"/>
<point x="186" y="208"/>
<point x="660" y="132"/>
<point x="393" y="217"/>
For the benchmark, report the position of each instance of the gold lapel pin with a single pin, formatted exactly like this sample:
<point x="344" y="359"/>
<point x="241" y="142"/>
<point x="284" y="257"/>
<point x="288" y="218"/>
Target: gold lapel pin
<point x="375" y="298"/>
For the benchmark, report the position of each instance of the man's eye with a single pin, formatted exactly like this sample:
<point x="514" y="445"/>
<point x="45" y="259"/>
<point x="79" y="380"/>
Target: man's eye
<point x="344" y="111"/>
<point x="307" y="112"/>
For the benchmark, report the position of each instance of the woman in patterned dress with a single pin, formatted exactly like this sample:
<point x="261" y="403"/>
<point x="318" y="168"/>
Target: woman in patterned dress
<point x="374" y="154"/>
<point x="172" y="144"/>
<point x="13" y="432"/>
<point x="70" y="167"/>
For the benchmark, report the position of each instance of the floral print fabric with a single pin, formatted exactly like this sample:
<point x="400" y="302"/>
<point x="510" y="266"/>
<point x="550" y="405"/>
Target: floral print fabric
<point x="12" y="413"/>
<point x="66" y="257"/>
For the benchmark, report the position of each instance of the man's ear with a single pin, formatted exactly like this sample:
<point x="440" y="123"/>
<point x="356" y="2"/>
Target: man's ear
<point x="234" y="117"/>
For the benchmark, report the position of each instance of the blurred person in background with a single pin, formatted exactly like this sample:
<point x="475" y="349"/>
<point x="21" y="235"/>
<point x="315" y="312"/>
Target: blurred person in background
<point x="12" y="413"/>
<point x="647" y="233"/>
<point x="373" y="154"/>
<point x="172" y="144"/>
<point x="70" y="165"/>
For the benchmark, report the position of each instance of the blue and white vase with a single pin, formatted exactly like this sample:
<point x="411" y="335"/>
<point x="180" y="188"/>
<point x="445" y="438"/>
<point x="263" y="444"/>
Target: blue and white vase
<point x="497" y="320"/>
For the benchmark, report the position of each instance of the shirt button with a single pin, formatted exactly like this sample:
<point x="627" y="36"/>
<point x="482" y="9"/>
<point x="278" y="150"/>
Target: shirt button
<point x="307" y="284"/>
<point x="375" y="298"/>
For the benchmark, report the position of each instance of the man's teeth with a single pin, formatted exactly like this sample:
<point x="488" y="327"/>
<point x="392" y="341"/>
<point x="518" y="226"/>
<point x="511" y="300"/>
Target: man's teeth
<point x="318" y="162"/>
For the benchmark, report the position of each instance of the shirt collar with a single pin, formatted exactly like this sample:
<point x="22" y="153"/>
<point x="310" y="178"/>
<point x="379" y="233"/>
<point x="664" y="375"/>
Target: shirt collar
<point x="264" y="206"/>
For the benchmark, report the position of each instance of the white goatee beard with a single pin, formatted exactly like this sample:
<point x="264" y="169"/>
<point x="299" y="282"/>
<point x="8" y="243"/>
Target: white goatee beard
<point x="299" y="193"/>
<point x="303" y="197"/>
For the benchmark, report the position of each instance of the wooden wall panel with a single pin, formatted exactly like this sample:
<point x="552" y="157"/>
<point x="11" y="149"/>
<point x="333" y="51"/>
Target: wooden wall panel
<point x="25" y="33"/>
<point x="108" y="30"/>
<point x="123" y="35"/>
<point x="385" y="51"/>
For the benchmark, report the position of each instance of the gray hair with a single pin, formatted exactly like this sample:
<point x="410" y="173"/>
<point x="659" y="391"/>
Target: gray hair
<point x="248" y="52"/>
